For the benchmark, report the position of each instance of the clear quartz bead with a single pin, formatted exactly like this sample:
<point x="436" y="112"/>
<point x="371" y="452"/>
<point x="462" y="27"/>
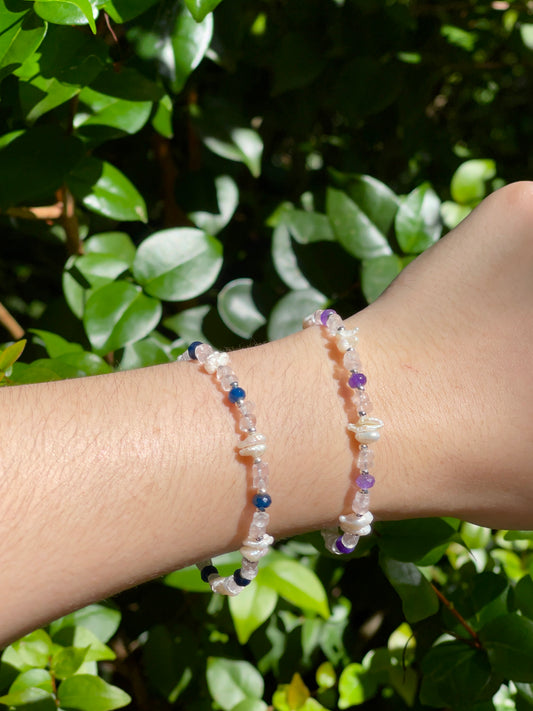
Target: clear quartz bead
<point x="362" y="401"/>
<point x="347" y="339"/>
<point x="333" y="323"/>
<point x="259" y="524"/>
<point x="352" y="361"/>
<point x="215" y="360"/>
<point x="247" y="407"/>
<point x="365" y="460"/>
<point x="260" y="475"/>
<point x="350" y="540"/>
<point x="361" y="502"/>
<point x="227" y="376"/>
<point x="203" y="351"/>
<point x="247" y="422"/>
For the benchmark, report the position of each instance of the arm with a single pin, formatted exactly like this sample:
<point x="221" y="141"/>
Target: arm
<point x="112" y="480"/>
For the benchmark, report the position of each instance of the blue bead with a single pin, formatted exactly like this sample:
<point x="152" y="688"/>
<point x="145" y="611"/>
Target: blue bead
<point x="192" y="348"/>
<point x="236" y="394"/>
<point x="207" y="571"/>
<point x="262" y="501"/>
<point x="243" y="582"/>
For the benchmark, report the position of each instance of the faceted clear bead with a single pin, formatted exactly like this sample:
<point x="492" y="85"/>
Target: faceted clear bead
<point x="333" y="323"/>
<point x="215" y="360"/>
<point x="352" y="361"/>
<point x="350" y="540"/>
<point x="362" y="401"/>
<point x="260" y="475"/>
<point x="227" y="376"/>
<point x="259" y="524"/>
<point x="247" y="407"/>
<point x="247" y="422"/>
<point x="365" y="460"/>
<point x="361" y="502"/>
<point x="203" y="351"/>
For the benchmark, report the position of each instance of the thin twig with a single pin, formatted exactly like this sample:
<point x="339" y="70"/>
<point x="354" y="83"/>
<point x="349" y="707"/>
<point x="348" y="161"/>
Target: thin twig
<point x="10" y="323"/>
<point x="69" y="221"/>
<point x="458" y="616"/>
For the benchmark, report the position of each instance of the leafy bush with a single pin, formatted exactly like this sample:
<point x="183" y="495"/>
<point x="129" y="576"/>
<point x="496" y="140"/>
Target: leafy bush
<point x="168" y="173"/>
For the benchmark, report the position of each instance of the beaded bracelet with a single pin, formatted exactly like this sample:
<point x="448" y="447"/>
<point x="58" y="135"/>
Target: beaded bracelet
<point x="366" y="431"/>
<point x="256" y="544"/>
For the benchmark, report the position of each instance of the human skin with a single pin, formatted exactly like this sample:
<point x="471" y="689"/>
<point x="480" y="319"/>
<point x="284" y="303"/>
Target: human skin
<point x="112" y="480"/>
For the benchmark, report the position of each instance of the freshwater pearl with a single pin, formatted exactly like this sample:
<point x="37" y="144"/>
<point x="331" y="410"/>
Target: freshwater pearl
<point x="366" y="429"/>
<point x="252" y="446"/>
<point x="254" y="550"/>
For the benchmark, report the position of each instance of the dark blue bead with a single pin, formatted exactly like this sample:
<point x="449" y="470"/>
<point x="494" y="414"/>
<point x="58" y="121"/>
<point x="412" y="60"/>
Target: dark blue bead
<point x="262" y="501"/>
<point x="207" y="571"/>
<point x="243" y="582"/>
<point x="236" y="394"/>
<point x="192" y="348"/>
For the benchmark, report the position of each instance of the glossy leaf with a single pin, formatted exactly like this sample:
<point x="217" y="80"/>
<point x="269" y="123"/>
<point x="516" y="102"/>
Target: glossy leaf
<point x="524" y="596"/>
<point x="117" y="245"/>
<point x="251" y="608"/>
<point x="285" y="260"/>
<point x="455" y="676"/>
<point x="21" y="33"/>
<point x="287" y="315"/>
<point x="376" y="200"/>
<point x="452" y="213"/>
<point x="66" y="661"/>
<point x="417" y="222"/>
<point x="189" y="324"/>
<point x="296" y="583"/>
<point x="162" y="119"/>
<point x="243" y="145"/>
<point x="468" y="185"/>
<point x="90" y="693"/>
<point x="100" y="110"/>
<point x="67" y="12"/>
<point x="418" y="598"/>
<point x="307" y="227"/>
<point x="200" y="8"/>
<point x="124" y="10"/>
<point x="178" y="264"/>
<point x="33" y="678"/>
<point x="143" y="353"/>
<point x="190" y="40"/>
<point x="101" y="620"/>
<point x="509" y="642"/>
<point x="118" y="314"/>
<point x="105" y="190"/>
<point x="227" y="199"/>
<point x="353" y="228"/>
<point x="82" y="638"/>
<point x="237" y="308"/>
<point x="11" y="354"/>
<point x="415" y="539"/>
<point x="377" y="274"/>
<point x="231" y="681"/>
<point x="56" y="345"/>
<point x="30" y="698"/>
<point x="351" y="687"/>
<point x="35" y="164"/>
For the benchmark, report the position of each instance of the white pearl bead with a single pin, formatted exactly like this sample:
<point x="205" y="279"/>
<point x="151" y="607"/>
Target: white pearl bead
<point x="254" y="550"/>
<point x="252" y="446"/>
<point x="366" y="429"/>
<point x="356" y="524"/>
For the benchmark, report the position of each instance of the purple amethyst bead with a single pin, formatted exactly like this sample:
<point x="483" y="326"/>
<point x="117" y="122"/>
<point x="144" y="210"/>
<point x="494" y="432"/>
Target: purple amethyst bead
<point x="325" y="315"/>
<point x="339" y="545"/>
<point x="365" y="481"/>
<point x="357" y="380"/>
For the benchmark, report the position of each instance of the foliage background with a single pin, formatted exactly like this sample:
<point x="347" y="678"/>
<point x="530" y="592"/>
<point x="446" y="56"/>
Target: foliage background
<point x="182" y="169"/>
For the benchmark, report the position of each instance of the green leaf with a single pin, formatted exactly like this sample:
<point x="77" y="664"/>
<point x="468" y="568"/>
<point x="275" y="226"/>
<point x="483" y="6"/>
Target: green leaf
<point x="285" y="260"/>
<point x="287" y="315"/>
<point x="66" y="661"/>
<point x="82" y="638"/>
<point x="178" y="264"/>
<point x="144" y="353"/>
<point x="455" y="676"/>
<point x="31" y="698"/>
<point x="251" y="608"/>
<point x="295" y="583"/>
<point x="189" y="578"/>
<point x="67" y="12"/>
<point x="417" y="223"/>
<point x="90" y="693"/>
<point x="325" y="675"/>
<point x="377" y="274"/>
<point x="227" y="198"/>
<point x="124" y="10"/>
<point x="117" y="245"/>
<point x="55" y="345"/>
<point x="231" y="681"/>
<point x="32" y="650"/>
<point x="468" y="185"/>
<point x="523" y="593"/>
<point x="100" y="110"/>
<point x="101" y="620"/>
<point x="189" y="41"/>
<point x="353" y="229"/>
<point x="11" y="354"/>
<point x="34" y="164"/>
<point x="452" y="213"/>
<point x="237" y="309"/>
<point x="188" y="324"/>
<point x="352" y="690"/>
<point x="33" y="678"/>
<point x="508" y="640"/>
<point x="200" y="8"/>
<point x="243" y="145"/>
<point x="105" y="190"/>
<point x="415" y="540"/>
<point x="418" y="598"/>
<point x="307" y="227"/>
<point x="162" y="119"/>
<point x="375" y="199"/>
<point x="251" y="705"/>
<point x="118" y="314"/>
<point x="21" y="33"/>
